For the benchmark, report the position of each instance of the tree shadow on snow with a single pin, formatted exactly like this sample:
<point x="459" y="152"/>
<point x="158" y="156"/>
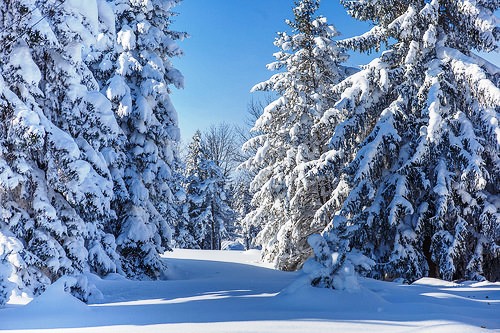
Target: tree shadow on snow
<point x="234" y="292"/>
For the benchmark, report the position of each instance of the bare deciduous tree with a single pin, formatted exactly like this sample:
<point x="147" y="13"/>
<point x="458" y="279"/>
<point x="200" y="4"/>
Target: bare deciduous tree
<point x="244" y="132"/>
<point x="222" y="146"/>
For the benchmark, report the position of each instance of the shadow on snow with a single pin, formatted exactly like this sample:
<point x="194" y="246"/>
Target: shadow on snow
<point x="209" y="291"/>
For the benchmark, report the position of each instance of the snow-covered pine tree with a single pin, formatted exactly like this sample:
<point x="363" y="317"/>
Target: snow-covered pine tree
<point x="414" y="159"/>
<point x="308" y="66"/>
<point x="137" y="74"/>
<point x="221" y="147"/>
<point x="78" y="108"/>
<point x="198" y="215"/>
<point x="242" y="197"/>
<point x="10" y="248"/>
<point x="242" y="204"/>
<point x="16" y="261"/>
<point x="206" y="197"/>
<point x="183" y="234"/>
<point x="56" y="188"/>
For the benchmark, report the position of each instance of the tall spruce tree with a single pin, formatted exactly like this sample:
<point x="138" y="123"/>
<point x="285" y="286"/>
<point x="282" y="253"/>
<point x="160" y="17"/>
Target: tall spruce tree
<point x="56" y="188"/>
<point x="414" y="159"/>
<point x="308" y="66"/>
<point x="135" y="68"/>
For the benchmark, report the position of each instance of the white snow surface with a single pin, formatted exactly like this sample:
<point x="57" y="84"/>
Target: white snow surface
<point x="230" y="291"/>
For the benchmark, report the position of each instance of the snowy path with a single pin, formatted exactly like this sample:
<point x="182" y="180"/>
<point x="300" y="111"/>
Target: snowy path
<point x="230" y="292"/>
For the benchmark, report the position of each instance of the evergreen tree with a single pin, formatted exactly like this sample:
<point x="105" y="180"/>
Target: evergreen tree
<point x="308" y="66"/>
<point x="137" y="74"/>
<point x="242" y="205"/>
<point x="221" y="147"/>
<point x="183" y="234"/>
<point x="206" y="197"/>
<point x="414" y="157"/>
<point x="10" y="249"/>
<point x="56" y="187"/>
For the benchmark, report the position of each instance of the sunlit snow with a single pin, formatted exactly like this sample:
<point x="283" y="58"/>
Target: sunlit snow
<point x="230" y="291"/>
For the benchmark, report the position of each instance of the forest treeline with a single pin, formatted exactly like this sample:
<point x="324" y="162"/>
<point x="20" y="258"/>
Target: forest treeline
<point x="390" y="170"/>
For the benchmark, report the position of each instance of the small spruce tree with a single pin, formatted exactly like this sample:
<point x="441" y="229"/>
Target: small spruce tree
<point x="208" y="207"/>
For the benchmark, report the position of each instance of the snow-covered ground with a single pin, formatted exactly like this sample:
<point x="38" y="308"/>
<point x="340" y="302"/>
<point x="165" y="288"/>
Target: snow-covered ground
<point x="230" y="291"/>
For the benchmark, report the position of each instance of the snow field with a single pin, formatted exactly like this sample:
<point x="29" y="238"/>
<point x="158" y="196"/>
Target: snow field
<point x="230" y="291"/>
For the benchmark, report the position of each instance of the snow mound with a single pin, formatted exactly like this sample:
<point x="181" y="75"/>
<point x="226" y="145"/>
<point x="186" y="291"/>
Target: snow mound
<point x="230" y="292"/>
<point x="435" y="283"/>
<point x="233" y="246"/>
<point x="115" y="277"/>
<point x="57" y="300"/>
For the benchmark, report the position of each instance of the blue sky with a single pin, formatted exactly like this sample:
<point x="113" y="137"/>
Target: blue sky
<point x="231" y="42"/>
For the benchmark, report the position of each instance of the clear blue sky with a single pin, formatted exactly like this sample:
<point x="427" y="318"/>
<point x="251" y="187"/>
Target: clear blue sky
<point x="231" y="43"/>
